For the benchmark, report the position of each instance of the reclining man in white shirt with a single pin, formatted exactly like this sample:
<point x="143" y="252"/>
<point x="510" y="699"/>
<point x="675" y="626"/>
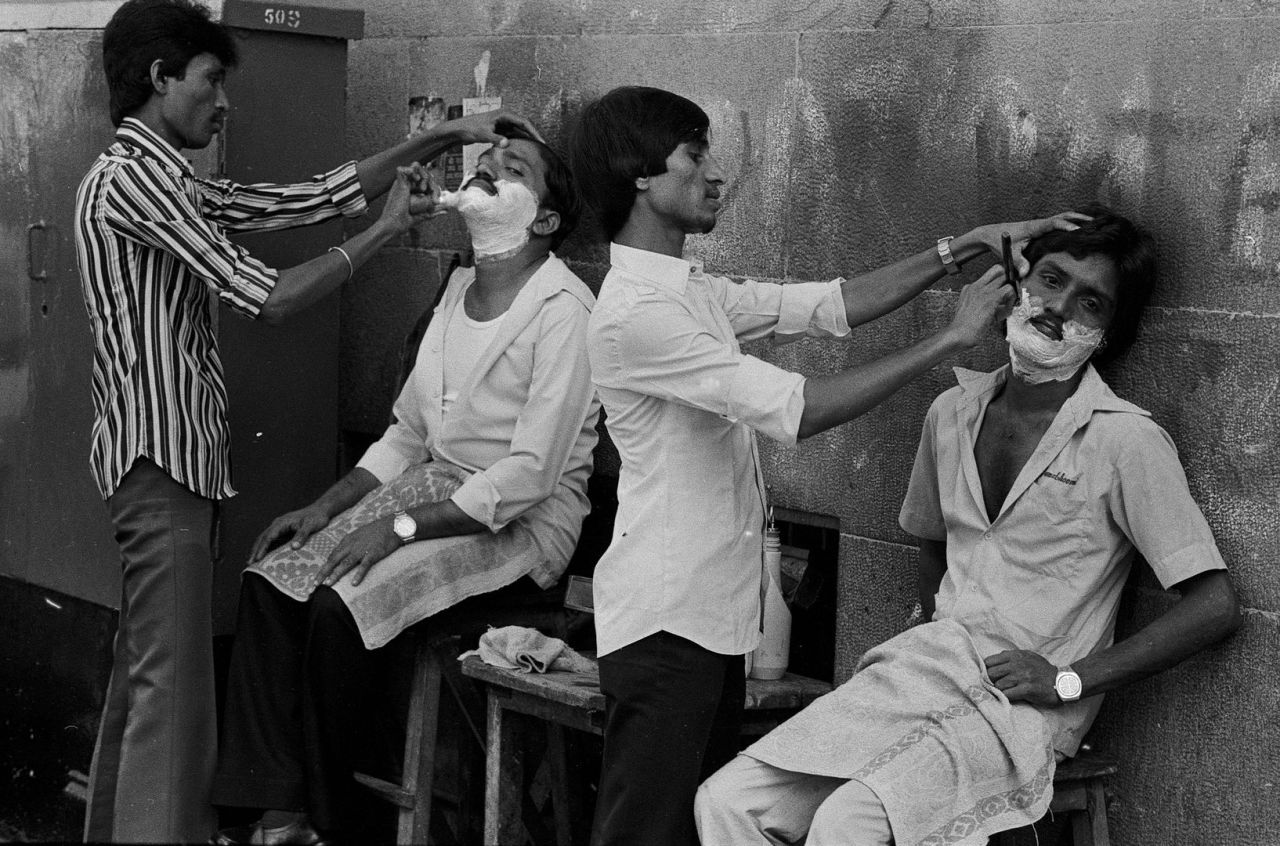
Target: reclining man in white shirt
<point x="1033" y="488"/>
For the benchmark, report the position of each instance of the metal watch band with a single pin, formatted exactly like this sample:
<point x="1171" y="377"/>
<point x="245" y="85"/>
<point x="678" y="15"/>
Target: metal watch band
<point x="949" y="263"/>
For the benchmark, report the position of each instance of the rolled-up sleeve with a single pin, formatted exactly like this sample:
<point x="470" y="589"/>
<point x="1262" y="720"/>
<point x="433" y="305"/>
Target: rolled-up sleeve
<point x="549" y="425"/>
<point x="784" y="312"/>
<point x="1152" y="505"/>
<point x="921" y="513"/>
<point x="265" y="206"/>
<point x="142" y="207"/>
<point x="658" y="348"/>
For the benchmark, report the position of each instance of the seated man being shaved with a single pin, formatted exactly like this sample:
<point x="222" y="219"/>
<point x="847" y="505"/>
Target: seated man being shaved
<point x="1033" y="488"/>
<point x="479" y="486"/>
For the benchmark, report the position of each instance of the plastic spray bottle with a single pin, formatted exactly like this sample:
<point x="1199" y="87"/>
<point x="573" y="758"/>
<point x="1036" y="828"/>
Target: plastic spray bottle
<point x="769" y="661"/>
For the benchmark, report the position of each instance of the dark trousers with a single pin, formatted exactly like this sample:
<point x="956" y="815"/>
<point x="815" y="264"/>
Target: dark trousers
<point x="673" y="713"/>
<point x="154" y="757"/>
<point x="300" y="688"/>
<point x="307" y="705"/>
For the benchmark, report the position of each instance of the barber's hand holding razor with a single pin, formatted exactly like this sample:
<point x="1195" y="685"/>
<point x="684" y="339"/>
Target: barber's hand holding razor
<point x="1024" y="676"/>
<point x="982" y="304"/>
<point x="1023" y="231"/>
<point x="411" y="200"/>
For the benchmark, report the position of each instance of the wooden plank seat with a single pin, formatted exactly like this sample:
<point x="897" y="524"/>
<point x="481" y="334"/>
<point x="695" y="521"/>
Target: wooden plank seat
<point x="1078" y="792"/>
<point x="560" y="700"/>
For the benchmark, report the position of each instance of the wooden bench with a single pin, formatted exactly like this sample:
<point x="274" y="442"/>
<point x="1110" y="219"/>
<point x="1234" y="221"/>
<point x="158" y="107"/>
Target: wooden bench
<point x="573" y="700"/>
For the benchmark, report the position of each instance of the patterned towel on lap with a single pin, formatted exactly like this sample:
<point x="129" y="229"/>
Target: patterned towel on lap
<point x="921" y="724"/>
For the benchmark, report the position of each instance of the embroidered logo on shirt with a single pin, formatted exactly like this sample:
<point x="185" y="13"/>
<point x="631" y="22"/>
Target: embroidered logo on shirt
<point x="1059" y="477"/>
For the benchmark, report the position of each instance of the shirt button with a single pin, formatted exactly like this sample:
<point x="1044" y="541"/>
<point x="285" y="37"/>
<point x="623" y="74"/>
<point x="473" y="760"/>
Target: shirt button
<point x="986" y="536"/>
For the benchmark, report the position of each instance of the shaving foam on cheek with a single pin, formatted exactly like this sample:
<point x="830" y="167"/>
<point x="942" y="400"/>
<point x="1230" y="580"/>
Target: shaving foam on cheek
<point x="1037" y="358"/>
<point x="498" y="223"/>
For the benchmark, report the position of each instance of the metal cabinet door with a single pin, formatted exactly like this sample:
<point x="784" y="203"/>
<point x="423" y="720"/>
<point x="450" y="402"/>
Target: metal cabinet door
<point x="54" y="529"/>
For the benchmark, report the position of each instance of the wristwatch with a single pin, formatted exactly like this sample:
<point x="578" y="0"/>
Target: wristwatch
<point x="404" y="526"/>
<point x="949" y="263"/>
<point x="1068" y="684"/>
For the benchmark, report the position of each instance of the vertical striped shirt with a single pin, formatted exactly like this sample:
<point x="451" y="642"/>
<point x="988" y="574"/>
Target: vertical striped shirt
<point x="150" y="240"/>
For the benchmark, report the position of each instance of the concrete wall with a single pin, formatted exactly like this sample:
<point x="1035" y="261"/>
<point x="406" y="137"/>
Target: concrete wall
<point x="855" y="132"/>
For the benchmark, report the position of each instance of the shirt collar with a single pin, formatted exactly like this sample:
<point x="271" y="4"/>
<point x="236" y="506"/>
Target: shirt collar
<point x="667" y="271"/>
<point x="1093" y="394"/>
<point x="137" y="134"/>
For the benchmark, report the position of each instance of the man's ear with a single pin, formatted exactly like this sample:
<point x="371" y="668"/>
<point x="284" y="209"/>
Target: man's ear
<point x="159" y="82"/>
<point x="547" y="223"/>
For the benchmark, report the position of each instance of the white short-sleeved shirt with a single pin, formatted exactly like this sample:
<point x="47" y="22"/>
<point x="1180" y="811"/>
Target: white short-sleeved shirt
<point x="1047" y="573"/>
<point x="683" y="404"/>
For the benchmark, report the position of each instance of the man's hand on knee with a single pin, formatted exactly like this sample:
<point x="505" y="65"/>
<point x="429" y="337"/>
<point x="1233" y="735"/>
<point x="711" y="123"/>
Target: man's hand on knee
<point x="298" y="525"/>
<point x="1023" y="676"/>
<point x="359" y="551"/>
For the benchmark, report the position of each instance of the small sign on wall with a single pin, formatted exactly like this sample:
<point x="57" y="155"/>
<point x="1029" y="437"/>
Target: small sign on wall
<point x="470" y="106"/>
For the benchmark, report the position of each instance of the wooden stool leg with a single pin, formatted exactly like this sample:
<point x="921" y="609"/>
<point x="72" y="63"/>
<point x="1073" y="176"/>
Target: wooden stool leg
<point x="504" y="779"/>
<point x="420" y="745"/>
<point x="559" y="762"/>
<point x="1091" y="824"/>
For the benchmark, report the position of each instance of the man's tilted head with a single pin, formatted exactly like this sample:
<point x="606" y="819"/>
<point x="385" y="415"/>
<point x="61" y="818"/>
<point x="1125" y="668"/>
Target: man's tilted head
<point x="1118" y="260"/>
<point x="517" y="192"/>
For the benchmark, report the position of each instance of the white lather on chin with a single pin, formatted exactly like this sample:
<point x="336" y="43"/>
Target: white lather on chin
<point x="498" y="223"/>
<point x="1037" y="358"/>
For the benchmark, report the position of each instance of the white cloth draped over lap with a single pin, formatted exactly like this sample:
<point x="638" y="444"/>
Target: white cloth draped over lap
<point x="920" y="719"/>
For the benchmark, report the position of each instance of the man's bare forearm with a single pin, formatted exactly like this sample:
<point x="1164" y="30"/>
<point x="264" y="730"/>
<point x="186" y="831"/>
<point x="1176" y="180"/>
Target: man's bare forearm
<point x="306" y="284"/>
<point x="878" y="292"/>
<point x="347" y="491"/>
<point x="1207" y="612"/>
<point x="841" y="397"/>
<point x="932" y="567"/>
<point x="443" y="519"/>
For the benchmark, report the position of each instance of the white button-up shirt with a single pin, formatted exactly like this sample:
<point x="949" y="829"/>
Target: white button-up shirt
<point x="683" y="404"/>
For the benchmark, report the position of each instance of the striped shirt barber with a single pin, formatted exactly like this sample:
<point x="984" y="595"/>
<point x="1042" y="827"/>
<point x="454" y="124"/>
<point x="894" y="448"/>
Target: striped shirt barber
<point x="150" y="240"/>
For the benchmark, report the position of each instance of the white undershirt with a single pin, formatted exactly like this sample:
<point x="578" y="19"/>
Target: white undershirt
<point x="465" y="340"/>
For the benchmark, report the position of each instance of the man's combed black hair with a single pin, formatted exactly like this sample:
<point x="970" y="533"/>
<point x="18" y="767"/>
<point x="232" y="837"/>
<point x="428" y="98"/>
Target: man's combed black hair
<point x="563" y="196"/>
<point x="1133" y="252"/>
<point x="142" y="31"/>
<point x="625" y="135"/>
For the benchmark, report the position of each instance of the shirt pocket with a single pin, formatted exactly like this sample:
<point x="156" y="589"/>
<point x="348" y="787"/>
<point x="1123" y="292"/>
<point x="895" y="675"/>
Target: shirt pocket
<point x="1055" y="525"/>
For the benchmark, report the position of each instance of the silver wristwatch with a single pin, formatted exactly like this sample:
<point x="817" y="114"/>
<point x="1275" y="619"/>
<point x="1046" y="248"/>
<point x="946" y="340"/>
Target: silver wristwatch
<point x="1068" y="684"/>
<point x="404" y="526"/>
<point x="949" y="263"/>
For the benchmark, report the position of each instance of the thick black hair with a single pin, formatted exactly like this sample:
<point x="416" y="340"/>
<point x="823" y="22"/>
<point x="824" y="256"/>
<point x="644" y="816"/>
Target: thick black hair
<point x="142" y="31"/>
<point x="563" y="196"/>
<point x="1133" y="252"/>
<point x="625" y="135"/>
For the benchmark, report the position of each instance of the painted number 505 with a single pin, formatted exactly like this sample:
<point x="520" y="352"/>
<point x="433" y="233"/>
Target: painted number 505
<point x="282" y="17"/>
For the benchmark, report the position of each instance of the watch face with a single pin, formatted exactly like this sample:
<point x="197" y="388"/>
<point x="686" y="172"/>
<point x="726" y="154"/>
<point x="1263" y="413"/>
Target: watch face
<point x="404" y="527"/>
<point x="1068" y="685"/>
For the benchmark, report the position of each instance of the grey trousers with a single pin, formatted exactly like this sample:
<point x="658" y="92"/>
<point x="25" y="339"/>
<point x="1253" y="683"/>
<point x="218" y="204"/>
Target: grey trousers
<point x="153" y="762"/>
<point x="748" y="802"/>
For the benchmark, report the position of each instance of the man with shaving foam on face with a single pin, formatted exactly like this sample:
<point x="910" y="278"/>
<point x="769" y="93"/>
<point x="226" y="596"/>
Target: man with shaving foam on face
<point x="479" y="486"/>
<point x="1033" y="488"/>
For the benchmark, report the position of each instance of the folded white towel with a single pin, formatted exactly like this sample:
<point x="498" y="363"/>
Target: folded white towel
<point x="525" y="650"/>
